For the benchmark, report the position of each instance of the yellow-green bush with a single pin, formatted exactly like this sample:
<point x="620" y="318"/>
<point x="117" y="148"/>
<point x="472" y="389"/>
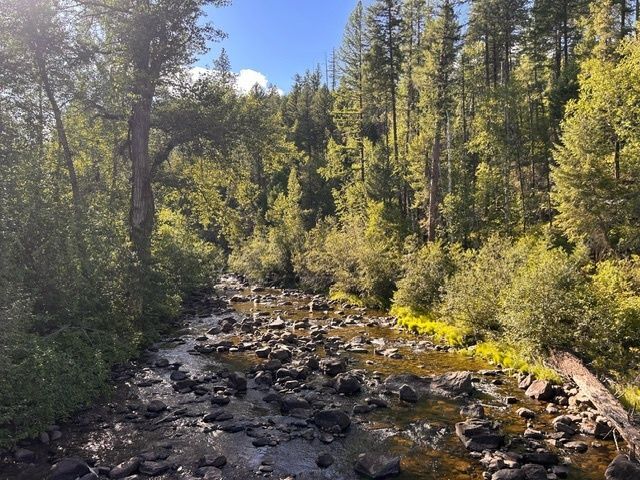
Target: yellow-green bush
<point x="500" y="353"/>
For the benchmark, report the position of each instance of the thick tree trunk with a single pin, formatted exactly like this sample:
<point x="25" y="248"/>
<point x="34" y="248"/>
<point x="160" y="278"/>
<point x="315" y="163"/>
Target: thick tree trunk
<point x="434" y="185"/>
<point x="142" y="204"/>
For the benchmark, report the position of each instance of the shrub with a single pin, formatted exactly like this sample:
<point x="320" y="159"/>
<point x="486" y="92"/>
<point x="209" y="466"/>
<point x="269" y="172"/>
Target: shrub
<point x="260" y="259"/>
<point x="424" y="272"/>
<point x="540" y="306"/>
<point x="472" y="294"/>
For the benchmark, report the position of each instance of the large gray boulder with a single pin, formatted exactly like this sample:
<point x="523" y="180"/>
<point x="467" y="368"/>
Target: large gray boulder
<point x="478" y="435"/>
<point x="69" y="468"/>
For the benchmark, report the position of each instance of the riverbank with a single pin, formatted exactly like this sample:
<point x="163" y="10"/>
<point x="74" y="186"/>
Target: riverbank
<point x="285" y="385"/>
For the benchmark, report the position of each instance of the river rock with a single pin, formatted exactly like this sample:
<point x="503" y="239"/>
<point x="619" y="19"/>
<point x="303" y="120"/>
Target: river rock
<point x="472" y="411"/>
<point x="348" y="384"/>
<point x="332" y="420"/>
<point x="153" y="469"/>
<point x="217" y="461"/>
<point x="547" y="459"/>
<point x="376" y="466"/>
<point x="69" y="468"/>
<point x="24" y="455"/>
<point x="292" y="402"/>
<point x="509" y="474"/>
<point x="237" y="381"/>
<point x="478" y="435"/>
<point x="621" y="468"/>
<point x="526" y="413"/>
<point x="156" y="406"/>
<point x="540" y="390"/>
<point x="534" y="472"/>
<point x="333" y="366"/>
<point x="125" y="469"/>
<point x="324" y="460"/>
<point x="408" y="394"/>
<point x="449" y="385"/>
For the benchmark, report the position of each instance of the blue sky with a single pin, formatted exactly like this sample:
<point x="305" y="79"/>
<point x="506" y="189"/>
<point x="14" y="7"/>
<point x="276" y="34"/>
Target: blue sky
<point x="278" y="38"/>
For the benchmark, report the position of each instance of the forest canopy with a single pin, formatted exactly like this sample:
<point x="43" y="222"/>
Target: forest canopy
<point x="475" y="164"/>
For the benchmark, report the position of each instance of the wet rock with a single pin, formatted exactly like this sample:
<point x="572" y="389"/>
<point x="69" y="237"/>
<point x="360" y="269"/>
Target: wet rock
<point x="162" y="363"/>
<point x="478" y="435"/>
<point x="24" y="455"/>
<point x="408" y="394"/>
<point x="324" y="460"/>
<point x="263" y="352"/>
<point x="264" y="378"/>
<point x="282" y="354"/>
<point x="333" y="366"/>
<point x="378" y="402"/>
<point x="217" y="461"/>
<point x="540" y="390"/>
<point x="621" y="468"/>
<point x="361" y="409"/>
<point x="533" y="434"/>
<point x="178" y="375"/>
<point x="525" y="382"/>
<point x="125" y="468"/>
<point x="156" y="406"/>
<point x="237" y="381"/>
<point x="332" y="420"/>
<point x="579" y="447"/>
<point x="508" y="474"/>
<point x="220" y="400"/>
<point x="547" y="459"/>
<point x="472" y="411"/>
<point x="292" y="402"/>
<point x="278" y="324"/>
<point x="450" y="385"/>
<point x="153" y="469"/>
<point x="69" y="468"/>
<point x="598" y="428"/>
<point x="318" y="306"/>
<point x="44" y="438"/>
<point x="534" y="472"/>
<point x="239" y="299"/>
<point x="348" y="384"/>
<point x="377" y="466"/>
<point x="526" y="413"/>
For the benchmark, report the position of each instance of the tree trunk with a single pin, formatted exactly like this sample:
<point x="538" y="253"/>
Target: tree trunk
<point x="434" y="186"/>
<point x="142" y="206"/>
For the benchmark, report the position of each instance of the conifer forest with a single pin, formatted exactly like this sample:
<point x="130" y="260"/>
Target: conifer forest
<point x="420" y="259"/>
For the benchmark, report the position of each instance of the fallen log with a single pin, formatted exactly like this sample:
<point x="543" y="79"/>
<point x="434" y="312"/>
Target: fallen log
<point x="608" y="405"/>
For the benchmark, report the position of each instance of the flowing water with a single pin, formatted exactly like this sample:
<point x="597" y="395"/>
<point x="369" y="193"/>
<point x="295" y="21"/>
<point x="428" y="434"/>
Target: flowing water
<point x="421" y="434"/>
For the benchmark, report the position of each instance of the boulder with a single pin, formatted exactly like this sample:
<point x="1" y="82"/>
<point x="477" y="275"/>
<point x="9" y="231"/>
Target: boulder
<point x="333" y="366"/>
<point x="156" y="406"/>
<point x="621" y="468"/>
<point x="125" y="469"/>
<point x="69" y="468"/>
<point x="154" y="469"/>
<point x="508" y="474"/>
<point x="348" y="384"/>
<point x="472" y="411"/>
<point x="540" y="390"/>
<point x="408" y="394"/>
<point x="478" y="435"/>
<point x="237" y="381"/>
<point x="217" y="461"/>
<point x="332" y="420"/>
<point x="534" y="472"/>
<point x="526" y="413"/>
<point x="24" y="455"/>
<point x="374" y="466"/>
<point x="324" y="460"/>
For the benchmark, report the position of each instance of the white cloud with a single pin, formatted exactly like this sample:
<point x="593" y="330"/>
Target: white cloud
<point x="247" y="78"/>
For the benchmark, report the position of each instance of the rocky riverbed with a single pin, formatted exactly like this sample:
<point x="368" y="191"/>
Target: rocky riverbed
<point x="259" y="383"/>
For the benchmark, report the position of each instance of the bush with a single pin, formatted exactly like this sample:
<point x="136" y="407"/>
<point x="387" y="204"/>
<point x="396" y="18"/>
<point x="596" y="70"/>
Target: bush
<point x="472" y="294"/>
<point x="260" y="259"/>
<point x="609" y="330"/>
<point x="541" y="306"/>
<point x="424" y="273"/>
<point x="358" y="258"/>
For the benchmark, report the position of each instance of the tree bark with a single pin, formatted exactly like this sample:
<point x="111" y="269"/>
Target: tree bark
<point x="142" y="204"/>
<point x="434" y="185"/>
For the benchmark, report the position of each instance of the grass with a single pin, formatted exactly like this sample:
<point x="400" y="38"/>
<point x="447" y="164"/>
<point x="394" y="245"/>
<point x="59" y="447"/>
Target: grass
<point x="352" y="299"/>
<point x="630" y="397"/>
<point x="426" y="324"/>
<point x="508" y="357"/>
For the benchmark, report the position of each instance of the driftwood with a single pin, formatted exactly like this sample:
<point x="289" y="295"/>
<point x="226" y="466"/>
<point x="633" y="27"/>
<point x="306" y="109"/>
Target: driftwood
<point x="608" y="406"/>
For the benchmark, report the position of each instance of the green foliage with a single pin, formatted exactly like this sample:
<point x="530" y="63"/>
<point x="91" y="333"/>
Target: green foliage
<point x="540" y="307"/>
<point x="472" y="294"/>
<point x="425" y="270"/>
